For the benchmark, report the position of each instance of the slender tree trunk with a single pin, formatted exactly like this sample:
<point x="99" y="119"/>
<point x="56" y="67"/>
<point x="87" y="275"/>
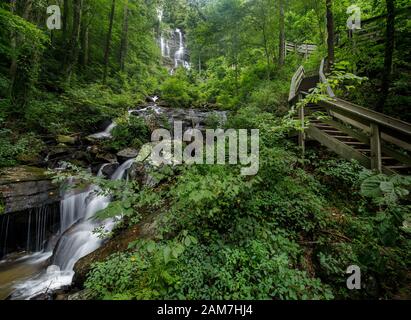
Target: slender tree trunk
<point x="27" y="10"/>
<point x="66" y="14"/>
<point x="73" y="51"/>
<point x="21" y="72"/>
<point x="108" y="43"/>
<point x="389" y="51"/>
<point x="320" y="20"/>
<point x="13" y="41"/>
<point x="124" y="37"/>
<point x="85" y="45"/>
<point x="281" y="57"/>
<point x="330" y="34"/>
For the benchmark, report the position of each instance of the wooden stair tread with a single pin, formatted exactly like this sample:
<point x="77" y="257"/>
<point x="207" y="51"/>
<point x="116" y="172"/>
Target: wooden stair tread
<point x="398" y="167"/>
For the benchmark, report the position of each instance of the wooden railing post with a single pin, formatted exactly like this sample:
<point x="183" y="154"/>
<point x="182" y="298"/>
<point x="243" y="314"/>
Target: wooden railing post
<point x="375" y="143"/>
<point x="301" y="135"/>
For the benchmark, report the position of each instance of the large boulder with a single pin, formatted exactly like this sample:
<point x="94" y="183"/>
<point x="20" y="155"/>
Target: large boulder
<point x="108" y="170"/>
<point x="128" y="153"/>
<point x="106" y="157"/>
<point x="67" y="139"/>
<point x="25" y="187"/>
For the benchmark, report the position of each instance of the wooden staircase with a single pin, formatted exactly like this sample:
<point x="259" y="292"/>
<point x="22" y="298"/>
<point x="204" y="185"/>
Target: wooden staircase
<point x="376" y="141"/>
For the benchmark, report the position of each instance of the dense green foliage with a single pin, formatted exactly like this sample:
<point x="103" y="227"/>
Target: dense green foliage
<point x="47" y="89"/>
<point x="291" y="231"/>
<point x="284" y="234"/>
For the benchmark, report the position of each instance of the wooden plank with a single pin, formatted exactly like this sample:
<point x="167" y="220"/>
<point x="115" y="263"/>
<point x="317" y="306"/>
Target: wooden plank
<point x="375" y="143"/>
<point x="323" y="79"/>
<point x="360" y="123"/>
<point x="396" y="155"/>
<point x="295" y="83"/>
<point x="338" y="147"/>
<point x="368" y="115"/>
<point x="301" y="135"/>
<point x="361" y="136"/>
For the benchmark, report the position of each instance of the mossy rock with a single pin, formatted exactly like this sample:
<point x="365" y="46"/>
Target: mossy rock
<point x="66" y="139"/>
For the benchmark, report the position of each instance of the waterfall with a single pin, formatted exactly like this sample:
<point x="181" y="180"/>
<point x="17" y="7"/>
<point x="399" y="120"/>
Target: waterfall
<point x="163" y="46"/>
<point x="121" y="171"/>
<point x="106" y="134"/>
<point x="179" y="56"/>
<point x="77" y="240"/>
<point x="4" y="232"/>
<point x="167" y="49"/>
<point x="31" y="230"/>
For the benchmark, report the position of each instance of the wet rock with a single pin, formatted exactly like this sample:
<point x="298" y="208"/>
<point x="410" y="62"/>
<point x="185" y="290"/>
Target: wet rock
<point x="128" y="153"/>
<point x="146" y="229"/>
<point x="30" y="159"/>
<point x="85" y="294"/>
<point x="191" y="118"/>
<point x="66" y="139"/>
<point x="81" y="155"/>
<point x="109" y="169"/>
<point x="139" y="172"/>
<point x="25" y="187"/>
<point x="107" y="157"/>
<point x="94" y="149"/>
<point x="60" y="149"/>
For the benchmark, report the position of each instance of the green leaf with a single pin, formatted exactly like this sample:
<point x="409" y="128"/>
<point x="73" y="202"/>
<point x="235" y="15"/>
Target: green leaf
<point x="387" y="186"/>
<point x="151" y="246"/>
<point x="166" y="254"/>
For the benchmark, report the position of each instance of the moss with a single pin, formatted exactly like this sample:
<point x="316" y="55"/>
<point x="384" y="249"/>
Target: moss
<point x="22" y="173"/>
<point x="2" y="206"/>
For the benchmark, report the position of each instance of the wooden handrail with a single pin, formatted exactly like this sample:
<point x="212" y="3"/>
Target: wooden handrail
<point x="370" y="116"/>
<point x="323" y="79"/>
<point x="296" y="82"/>
<point x="398" y="12"/>
<point x="376" y="127"/>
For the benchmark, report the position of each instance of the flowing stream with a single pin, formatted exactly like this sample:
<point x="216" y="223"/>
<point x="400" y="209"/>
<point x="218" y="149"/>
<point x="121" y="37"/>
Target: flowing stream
<point x="52" y="267"/>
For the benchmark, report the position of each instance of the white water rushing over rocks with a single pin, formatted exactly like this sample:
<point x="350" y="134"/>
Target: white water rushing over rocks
<point x="77" y="238"/>
<point x="106" y="134"/>
<point x="54" y="265"/>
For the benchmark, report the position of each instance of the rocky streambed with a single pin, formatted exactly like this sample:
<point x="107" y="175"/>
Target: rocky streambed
<point x="46" y="236"/>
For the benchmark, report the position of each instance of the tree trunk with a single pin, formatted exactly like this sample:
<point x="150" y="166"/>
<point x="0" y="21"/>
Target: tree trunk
<point x="13" y="41"/>
<point x="73" y="51"/>
<point x="330" y="34"/>
<point x="108" y="43"/>
<point x="66" y="14"/>
<point x="281" y="57"/>
<point x="85" y="45"/>
<point x="21" y="74"/>
<point x="124" y="38"/>
<point x="389" y="51"/>
<point x="27" y="10"/>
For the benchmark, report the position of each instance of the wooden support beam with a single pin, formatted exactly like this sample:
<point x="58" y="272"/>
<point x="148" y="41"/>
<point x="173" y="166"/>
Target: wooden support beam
<point x="301" y="135"/>
<point x="337" y="146"/>
<point x="375" y="143"/>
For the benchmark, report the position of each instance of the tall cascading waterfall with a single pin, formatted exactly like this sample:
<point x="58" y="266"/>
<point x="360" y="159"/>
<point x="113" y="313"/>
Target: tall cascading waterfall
<point x="178" y="58"/>
<point x="180" y="55"/>
<point x="77" y="240"/>
<point x="172" y="46"/>
<point x="165" y="49"/>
